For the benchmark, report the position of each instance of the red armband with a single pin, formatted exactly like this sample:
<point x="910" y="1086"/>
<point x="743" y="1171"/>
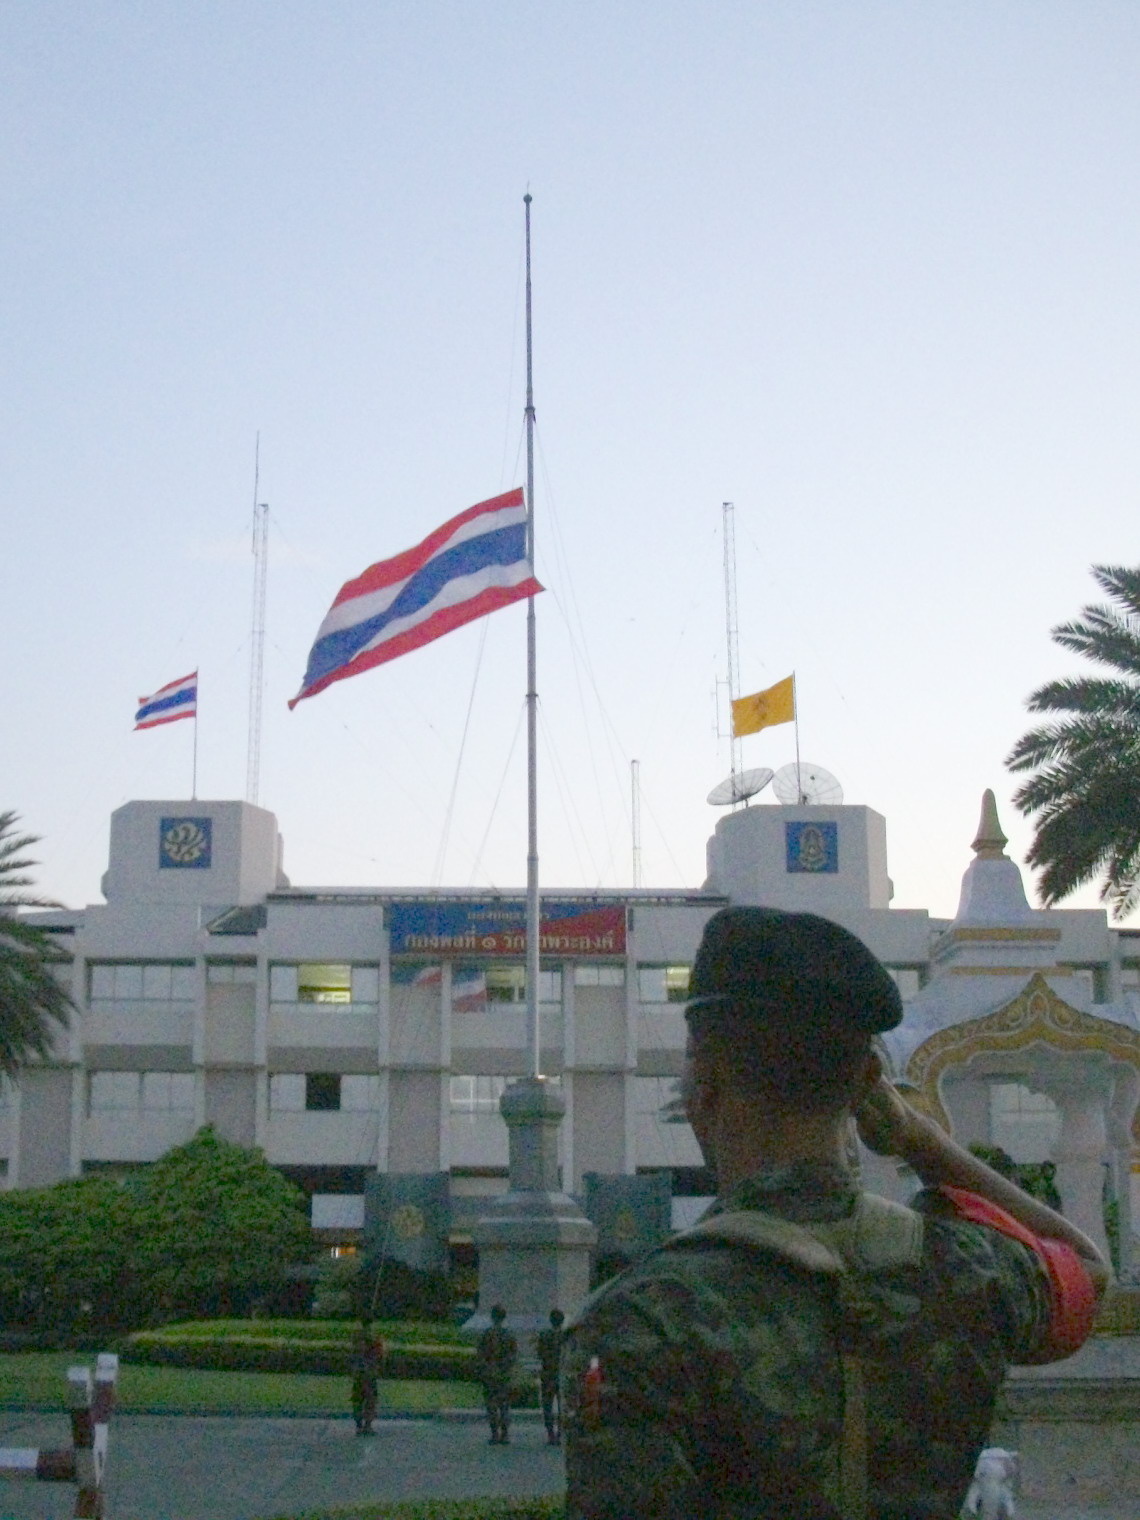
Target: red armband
<point x="1073" y="1297"/>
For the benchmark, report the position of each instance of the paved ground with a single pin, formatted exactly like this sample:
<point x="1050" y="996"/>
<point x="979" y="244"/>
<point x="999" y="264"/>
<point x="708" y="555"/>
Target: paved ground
<point x="166" y="1467"/>
<point x="182" y="1467"/>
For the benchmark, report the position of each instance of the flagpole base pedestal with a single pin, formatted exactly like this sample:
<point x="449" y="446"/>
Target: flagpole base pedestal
<point x="534" y="1242"/>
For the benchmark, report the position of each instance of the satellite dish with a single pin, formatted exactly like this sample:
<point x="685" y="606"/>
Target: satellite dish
<point x="806" y="785"/>
<point x="739" y="787"/>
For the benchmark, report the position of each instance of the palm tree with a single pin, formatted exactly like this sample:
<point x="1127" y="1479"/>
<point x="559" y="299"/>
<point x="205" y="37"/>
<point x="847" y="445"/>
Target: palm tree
<point x="1086" y="790"/>
<point x="31" y="997"/>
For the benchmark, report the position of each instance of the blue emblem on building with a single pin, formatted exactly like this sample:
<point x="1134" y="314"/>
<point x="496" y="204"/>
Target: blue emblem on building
<point x="185" y="844"/>
<point x="812" y="847"/>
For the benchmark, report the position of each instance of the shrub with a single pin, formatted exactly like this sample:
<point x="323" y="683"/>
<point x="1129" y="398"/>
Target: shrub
<point x="210" y="1227"/>
<point x="348" y="1287"/>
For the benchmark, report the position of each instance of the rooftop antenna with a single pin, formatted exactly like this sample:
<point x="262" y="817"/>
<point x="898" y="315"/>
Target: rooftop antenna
<point x="260" y="548"/>
<point x="728" y="512"/>
<point x="635" y="787"/>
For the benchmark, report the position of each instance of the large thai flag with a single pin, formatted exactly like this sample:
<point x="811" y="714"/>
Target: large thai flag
<point x="178" y="699"/>
<point x="474" y="564"/>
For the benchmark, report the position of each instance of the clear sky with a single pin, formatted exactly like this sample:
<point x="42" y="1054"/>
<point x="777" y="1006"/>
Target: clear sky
<point x="869" y="270"/>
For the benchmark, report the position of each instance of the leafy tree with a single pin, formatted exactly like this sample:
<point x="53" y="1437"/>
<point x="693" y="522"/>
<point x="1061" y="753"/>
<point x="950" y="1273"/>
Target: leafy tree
<point x="1086" y="790"/>
<point x="217" y="1226"/>
<point x="31" y="996"/>
<point x="67" y="1256"/>
<point x="208" y="1229"/>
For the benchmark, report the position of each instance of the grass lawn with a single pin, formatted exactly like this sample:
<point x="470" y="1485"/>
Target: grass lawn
<point x="37" y="1380"/>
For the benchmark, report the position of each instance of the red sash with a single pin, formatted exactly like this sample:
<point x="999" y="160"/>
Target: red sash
<point x="1071" y="1288"/>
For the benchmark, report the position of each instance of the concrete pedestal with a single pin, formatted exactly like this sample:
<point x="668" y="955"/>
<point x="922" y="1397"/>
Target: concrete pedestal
<point x="534" y="1242"/>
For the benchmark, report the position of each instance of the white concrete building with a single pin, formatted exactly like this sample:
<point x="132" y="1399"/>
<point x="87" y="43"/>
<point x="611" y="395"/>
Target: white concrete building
<point x="347" y="1030"/>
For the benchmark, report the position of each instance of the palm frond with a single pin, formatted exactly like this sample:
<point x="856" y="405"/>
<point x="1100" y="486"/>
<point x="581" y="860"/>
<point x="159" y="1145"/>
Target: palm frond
<point x="1108" y="740"/>
<point x="1122" y="584"/>
<point x="1084" y="793"/>
<point x="33" y="1001"/>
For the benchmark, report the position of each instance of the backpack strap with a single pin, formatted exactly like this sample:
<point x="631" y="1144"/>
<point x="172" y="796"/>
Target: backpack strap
<point x="878" y="1236"/>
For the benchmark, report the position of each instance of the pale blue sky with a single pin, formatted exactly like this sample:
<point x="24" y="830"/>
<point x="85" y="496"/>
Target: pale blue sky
<point x="869" y="270"/>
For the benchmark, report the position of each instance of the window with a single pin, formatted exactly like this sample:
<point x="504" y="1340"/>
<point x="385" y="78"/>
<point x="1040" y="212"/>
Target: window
<point x="167" y="1091"/>
<point x="114" y="1091"/>
<point x="142" y="981"/>
<point x="146" y="1091"/>
<point x="226" y="973"/>
<point x="599" y="976"/>
<point x="480" y="1095"/>
<point x="325" y="982"/>
<point x="308" y="1092"/>
<point x="507" y="984"/>
<point x="663" y="984"/>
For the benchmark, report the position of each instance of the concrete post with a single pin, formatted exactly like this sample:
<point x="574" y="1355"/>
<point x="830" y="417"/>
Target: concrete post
<point x="534" y="1242"/>
<point x="1080" y="1156"/>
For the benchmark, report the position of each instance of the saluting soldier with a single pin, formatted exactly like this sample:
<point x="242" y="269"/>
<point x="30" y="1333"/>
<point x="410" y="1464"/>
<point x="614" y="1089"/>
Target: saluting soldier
<point x="496" y="1353"/>
<point x="808" y="1349"/>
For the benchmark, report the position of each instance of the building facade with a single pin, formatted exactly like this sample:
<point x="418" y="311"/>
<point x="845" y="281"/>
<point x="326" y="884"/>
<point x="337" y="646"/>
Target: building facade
<point x="349" y="1031"/>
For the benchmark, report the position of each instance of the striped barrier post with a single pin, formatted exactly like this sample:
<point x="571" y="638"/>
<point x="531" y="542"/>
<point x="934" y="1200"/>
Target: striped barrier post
<point x="91" y="1403"/>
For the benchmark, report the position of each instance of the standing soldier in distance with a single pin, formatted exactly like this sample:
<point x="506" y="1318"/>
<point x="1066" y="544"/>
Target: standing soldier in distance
<point x="365" y="1363"/>
<point x="496" y="1353"/>
<point x="549" y="1343"/>
<point x="807" y="1349"/>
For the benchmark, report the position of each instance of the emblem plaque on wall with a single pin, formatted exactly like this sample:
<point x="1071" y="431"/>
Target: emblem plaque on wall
<point x="812" y="847"/>
<point x="185" y="844"/>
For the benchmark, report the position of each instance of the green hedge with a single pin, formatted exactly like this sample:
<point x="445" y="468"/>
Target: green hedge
<point x="546" y="1508"/>
<point x="402" y="1332"/>
<point x="249" y="1353"/>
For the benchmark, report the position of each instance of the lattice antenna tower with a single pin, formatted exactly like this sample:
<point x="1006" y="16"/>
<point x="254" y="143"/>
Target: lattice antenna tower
<point x="260" y="547"/>
<point x="732" y="629"/>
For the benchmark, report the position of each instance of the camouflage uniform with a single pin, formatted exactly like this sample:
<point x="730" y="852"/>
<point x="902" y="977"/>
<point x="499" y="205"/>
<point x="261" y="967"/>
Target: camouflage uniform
<point x="496" y="1353"/>
<point x="722" y="1390"/>
<point x="549" y="1346"/>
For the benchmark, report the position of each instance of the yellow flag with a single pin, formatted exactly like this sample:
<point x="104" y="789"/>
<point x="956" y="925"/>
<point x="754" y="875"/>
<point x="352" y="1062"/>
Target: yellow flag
<point x="764" y="709"/>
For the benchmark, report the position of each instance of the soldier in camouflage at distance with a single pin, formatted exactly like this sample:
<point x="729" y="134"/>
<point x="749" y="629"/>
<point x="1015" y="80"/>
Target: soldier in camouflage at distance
<point x="496" y="1353"/>
<point x="808" y="1352"/>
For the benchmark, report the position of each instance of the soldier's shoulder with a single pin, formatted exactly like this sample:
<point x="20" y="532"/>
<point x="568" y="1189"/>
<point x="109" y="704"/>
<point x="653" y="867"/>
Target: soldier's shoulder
<point x="676" y="1287"/>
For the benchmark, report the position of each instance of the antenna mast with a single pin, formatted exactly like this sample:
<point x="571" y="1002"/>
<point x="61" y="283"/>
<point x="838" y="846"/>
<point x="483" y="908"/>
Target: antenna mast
<point x="635" y="787"/>
<point x="260" y="548"/>
<point x="728" y="511"/>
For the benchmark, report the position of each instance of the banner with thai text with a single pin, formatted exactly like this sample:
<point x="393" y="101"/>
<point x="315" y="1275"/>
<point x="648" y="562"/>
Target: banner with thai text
<point x="570" y="929"/>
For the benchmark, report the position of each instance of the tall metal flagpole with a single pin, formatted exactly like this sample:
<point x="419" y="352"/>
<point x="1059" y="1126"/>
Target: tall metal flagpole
<point x="533" y="918"/>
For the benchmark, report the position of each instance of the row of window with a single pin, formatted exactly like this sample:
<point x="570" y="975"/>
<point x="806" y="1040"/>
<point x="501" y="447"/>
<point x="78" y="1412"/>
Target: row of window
<point x="134" y="1092"/>
<point x="473" y="985"/>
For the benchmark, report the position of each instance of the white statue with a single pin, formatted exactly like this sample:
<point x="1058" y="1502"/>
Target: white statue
<point x="995" y="1479"/>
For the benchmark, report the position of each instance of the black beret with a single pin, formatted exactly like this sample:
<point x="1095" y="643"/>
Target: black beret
<point x="792" y="969"/>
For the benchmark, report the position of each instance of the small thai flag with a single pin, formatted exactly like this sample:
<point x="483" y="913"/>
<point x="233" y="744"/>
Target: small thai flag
<point x="474" y="564"/>
<point x="177" y="700"/>
<point x="468" y="991"/>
